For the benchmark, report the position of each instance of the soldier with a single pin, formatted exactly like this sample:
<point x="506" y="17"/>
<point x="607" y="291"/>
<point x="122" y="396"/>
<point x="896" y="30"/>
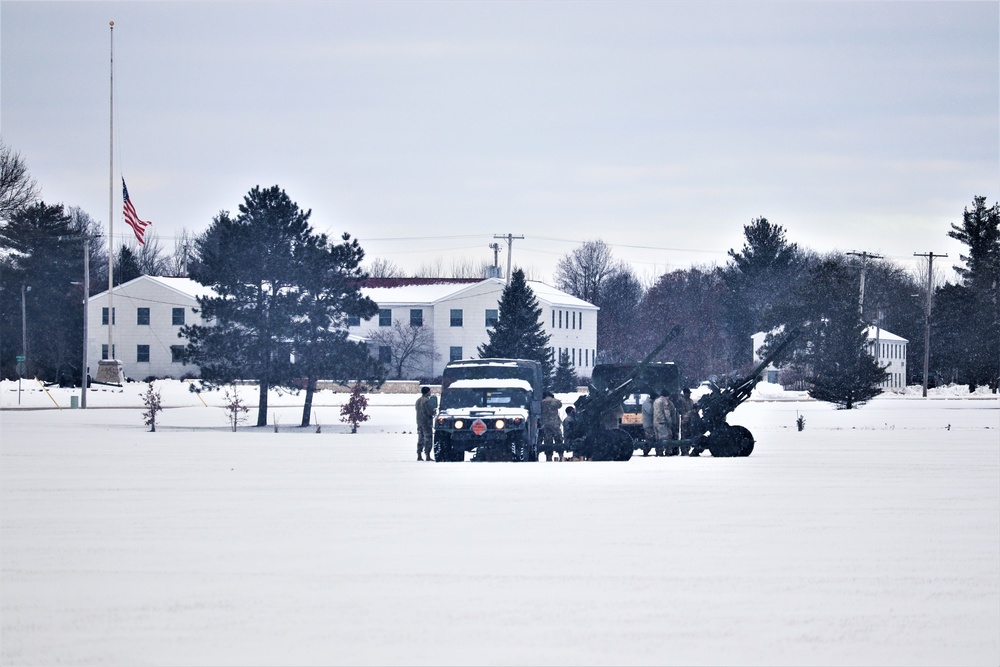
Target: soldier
<point x="685" y="406"/>
<point x="664" y="421"/>
<point x="551" y="428"/>
<point x="568" y="427"/>
<point x="426" y="406"/>
<point x="647" y="424"/>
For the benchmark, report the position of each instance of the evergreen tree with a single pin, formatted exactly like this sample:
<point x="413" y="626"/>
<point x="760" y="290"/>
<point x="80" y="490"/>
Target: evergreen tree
<point x="253" y="264"/>
<point x="42" y="267"/>
<point x="565" y="379"/>
<point x="843" y="372"/>
<point x="126" y="266"/>
<point x="329" y="290"/>
<point x="518" y="333"/>
<point x="980" y="316"/>
<point x="833" y="346"/>
<point x="758" y="279"/>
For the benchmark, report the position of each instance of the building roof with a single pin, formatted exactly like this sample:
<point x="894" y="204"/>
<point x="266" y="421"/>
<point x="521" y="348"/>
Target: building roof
<point x="183" y="286"/>
<point x="884" y="335"/>
<point x="433" y="290"/>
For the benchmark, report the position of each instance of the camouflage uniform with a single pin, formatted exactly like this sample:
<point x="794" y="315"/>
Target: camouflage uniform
<point x="551" y="427"/>
<point x="426" y="406"/>
<point x="647" y="425"/>
<point x="685" y="406"/>
<point x="664" y="422"/>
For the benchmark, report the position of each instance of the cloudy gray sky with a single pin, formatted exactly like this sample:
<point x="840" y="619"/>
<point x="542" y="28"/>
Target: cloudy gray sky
<point x="425" y="128"/>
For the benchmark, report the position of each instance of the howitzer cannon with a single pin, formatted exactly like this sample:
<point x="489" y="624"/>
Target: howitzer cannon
<point x="709" y="427"/>
<point x="595" y="432"/>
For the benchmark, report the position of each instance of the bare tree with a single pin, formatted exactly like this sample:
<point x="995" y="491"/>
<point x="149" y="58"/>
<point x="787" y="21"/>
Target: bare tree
<point x="184" y="253"/>
<point x="432" y="269"/>
<point x="584" y="272"/>
<point x="17" y="188"/>
<point x="383" y="268"/>
<point x="151" y="259"/>
<point x="409" y="347"/>
<point x="468" y="268"/>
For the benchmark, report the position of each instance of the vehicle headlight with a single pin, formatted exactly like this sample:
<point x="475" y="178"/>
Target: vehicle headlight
<point x="498" y="424"/>
<point x="459" y="423"/>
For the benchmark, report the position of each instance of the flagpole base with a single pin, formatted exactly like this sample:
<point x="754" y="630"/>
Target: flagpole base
<point x="109" y="371"/>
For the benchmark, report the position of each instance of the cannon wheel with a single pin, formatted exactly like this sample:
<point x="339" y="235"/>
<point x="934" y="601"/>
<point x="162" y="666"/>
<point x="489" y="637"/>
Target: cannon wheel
<point x="609" y="445"/>
<point x="731" y="441"/>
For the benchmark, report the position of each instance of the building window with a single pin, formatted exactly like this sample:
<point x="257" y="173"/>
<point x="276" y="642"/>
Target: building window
<point x="142" y="354"/>
<point x="560" y="319"/>
<point x="104" y="317"/>
<point x="574" y="319"/>
<point x="385" y="354"/>
<point x="416" y="317"/>
<point x="579" y="320"/>
<point x="454" y="353"/>
<point x="104" y="351"/>
<point x="177" y="354"/>
<point x="384" y="317"/>
<point x="177" y="317"/>
<point x="492" y="317"/>
<point x="142" y="316"/>
<point x="354" y="320"/>
<point x="553" y="318"/>
<point x="456" y="317"/>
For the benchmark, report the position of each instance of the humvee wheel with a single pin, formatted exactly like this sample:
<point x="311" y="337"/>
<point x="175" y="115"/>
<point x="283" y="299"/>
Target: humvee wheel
<point x="442" y="451"/>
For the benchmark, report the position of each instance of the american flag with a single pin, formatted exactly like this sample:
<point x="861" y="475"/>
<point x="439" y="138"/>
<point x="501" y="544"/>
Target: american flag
<point x="138" y="226"/>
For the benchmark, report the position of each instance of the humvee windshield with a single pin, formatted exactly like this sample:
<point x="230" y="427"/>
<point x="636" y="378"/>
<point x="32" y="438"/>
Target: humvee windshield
<point x="474" y="397"/>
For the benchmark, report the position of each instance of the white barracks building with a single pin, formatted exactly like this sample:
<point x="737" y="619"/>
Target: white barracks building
<point x="148" y="314"/>
<point x="460" y="311"/>
<point x="150" y="311"/>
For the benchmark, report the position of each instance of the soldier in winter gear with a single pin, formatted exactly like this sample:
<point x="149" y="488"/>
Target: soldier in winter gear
<point x="647" y="424"/>
<point x="664" y="422"/>
<point x="426" y="406"/>
<point x="551" y="427"/>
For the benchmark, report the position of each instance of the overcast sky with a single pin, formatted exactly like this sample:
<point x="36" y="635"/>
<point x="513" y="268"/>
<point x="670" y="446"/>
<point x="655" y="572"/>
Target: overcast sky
<point x="425" y="128"/>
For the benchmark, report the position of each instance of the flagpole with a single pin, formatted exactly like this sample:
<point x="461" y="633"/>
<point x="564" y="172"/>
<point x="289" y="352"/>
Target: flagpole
<point x="111" y="207"/>
<point x="110" y="370"/>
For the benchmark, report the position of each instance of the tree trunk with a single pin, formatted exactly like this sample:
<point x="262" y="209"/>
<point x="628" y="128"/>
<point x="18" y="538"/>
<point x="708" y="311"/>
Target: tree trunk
<point x="307" y="407"/>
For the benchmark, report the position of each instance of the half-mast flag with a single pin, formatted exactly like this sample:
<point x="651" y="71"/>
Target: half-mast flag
<point x="138" y="226"/>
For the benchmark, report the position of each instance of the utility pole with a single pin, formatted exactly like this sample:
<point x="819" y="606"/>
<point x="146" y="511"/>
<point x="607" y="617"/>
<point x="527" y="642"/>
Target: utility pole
<point x="927" y="311"/>
<point x="865" y="256"/>
<point x="495" y="247"/>
<point x="86" y="317"/>
<point x="509" y="238"/>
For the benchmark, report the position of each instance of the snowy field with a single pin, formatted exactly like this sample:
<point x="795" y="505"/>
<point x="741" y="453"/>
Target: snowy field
<point x="872" y="537"/>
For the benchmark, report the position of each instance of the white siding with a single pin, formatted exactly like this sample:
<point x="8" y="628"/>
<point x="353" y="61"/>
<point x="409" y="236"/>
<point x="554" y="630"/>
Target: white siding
<point x="160" y="296"/>
<point x="474" y="300"/>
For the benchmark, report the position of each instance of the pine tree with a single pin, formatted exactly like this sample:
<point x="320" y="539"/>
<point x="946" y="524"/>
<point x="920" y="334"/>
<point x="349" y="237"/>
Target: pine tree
<point x="518" y="333"/>
<point x="253" y="264"/>
<point x="843" y="371"/>
<point x="980" y="291"/>
<point x="834" y="341"/>
<point x="329" y="290"/>
<point x="758" y="279"/>
<point x="565" y="379"/>
<point x="41" y="257"/>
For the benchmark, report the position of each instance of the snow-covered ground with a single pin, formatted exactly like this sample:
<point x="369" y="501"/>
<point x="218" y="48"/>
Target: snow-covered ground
<point x="871" y="537"/>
